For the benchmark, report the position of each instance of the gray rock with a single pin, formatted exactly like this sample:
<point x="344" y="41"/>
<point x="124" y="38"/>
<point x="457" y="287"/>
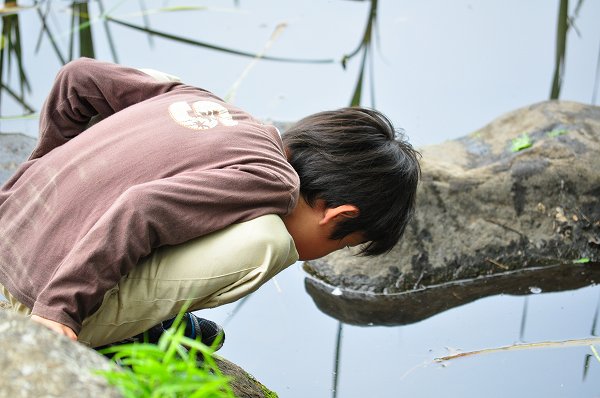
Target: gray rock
<point x="243" y="384"/>
<point x="14" y="149"/>
<point x="484" y="209"/>
<point x="37" y="362"/>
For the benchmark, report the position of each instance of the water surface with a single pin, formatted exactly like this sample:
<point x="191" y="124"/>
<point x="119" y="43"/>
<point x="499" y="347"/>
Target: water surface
<point x="279" y="336"/>
<point x="440" y="70"/>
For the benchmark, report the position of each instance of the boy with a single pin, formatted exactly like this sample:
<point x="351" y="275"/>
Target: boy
<point x="176" y="195"/>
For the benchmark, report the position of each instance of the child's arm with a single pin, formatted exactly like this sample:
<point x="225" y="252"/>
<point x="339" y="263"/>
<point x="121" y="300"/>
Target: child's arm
<point x="85" y="88"/>
<point x="57" y="327"/>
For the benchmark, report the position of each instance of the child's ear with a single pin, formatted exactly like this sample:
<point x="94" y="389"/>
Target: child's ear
<point x="335" y="213"/>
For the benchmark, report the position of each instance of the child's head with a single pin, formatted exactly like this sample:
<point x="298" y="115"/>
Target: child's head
<point x="353" y="156"/>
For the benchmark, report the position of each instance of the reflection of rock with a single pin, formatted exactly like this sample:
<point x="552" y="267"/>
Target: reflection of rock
<point x="484" y="209"/>
<point x="363" y="308"/>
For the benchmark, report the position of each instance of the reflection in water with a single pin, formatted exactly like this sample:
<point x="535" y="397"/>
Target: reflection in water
<point x="524" y="317"/>
<point x="588" y="357"/>
<point x="80" y="32"/>
<point x="236" y="308"/>
<point x="391" y="356"/>
<point x="364" y="308"/>
<point x="81" y="16"/>
<point x="345" y="306"/>
<point x="336" y="359"/>
<point x="587" y="275"/>
<point x="595" y="321"/>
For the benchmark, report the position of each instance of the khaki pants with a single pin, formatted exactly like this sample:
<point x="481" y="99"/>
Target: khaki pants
<point x="211" y="270"/>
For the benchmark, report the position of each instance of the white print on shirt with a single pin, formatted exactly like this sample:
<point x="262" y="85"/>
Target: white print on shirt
<point x="201" y="115"/>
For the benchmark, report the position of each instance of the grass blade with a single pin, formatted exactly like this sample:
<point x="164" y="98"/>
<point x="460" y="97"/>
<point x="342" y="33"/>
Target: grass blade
<point x="86" y="43"/>
<point x="276" y="33"/>
<point x="19" y="56"/>
<point x="72" y="32"/>
<point x="561" y="47"/>
<point x="528" y="346"/>
<point x="167" y="369"/>
<point x="10" y="49"/>
<point x="13" y="9"/>
<point x="3" y="47"/>
<point x="596" y="77"/>
<point x="109" y="37"/>
<point x="20" y="99"/>
<point x="365" y="46"/>
<point x="355" y="101"/>
<point x="595" y="353"/>
<point x="336" y="359"/>
<point x="214" y="47"/>
<point x="371" y="76"/>
<point x="146" y="21"/>
<point x="46" y="29"/>
<point x="144" y="11"/>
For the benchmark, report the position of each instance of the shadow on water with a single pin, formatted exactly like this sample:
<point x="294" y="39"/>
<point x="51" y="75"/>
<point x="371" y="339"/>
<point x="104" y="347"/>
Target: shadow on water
<point x="359" y="308"/>
<point x="366" y="308"/>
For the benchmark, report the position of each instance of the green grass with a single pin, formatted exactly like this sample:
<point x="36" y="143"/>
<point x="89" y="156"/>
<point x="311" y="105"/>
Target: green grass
<point x="583" y="260"/>
<point x="168" y="369"/>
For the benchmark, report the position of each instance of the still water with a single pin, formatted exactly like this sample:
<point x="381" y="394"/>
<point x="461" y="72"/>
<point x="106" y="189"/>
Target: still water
<point x="440" y="70"/>
<point x="281" y="337"/>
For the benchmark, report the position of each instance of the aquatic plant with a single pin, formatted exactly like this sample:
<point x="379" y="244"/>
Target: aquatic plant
<point x="171" y="368"/>
<point x="82" y="20"/>
<point x="564" y="23"/>
<point x="11" y="54"/>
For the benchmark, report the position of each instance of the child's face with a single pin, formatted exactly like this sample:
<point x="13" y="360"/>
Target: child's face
<point x="311" y="228"/>
<point x="312" y="246"/>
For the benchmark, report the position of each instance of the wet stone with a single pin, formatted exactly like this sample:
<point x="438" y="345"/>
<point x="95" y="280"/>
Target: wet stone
<point x="484" y="209"/>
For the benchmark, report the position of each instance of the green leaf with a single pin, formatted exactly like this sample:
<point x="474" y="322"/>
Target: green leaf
<point x="582" y="260"/>
<point x="520" y="143"/>
<point x="167" y="369"/>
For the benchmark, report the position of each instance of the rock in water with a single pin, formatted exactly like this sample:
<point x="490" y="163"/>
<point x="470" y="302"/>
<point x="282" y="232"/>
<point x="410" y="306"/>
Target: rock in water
<point x="520" y="193"/>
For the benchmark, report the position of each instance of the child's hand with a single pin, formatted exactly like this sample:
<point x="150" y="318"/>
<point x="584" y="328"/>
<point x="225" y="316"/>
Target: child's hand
<point x="57" y="327"/>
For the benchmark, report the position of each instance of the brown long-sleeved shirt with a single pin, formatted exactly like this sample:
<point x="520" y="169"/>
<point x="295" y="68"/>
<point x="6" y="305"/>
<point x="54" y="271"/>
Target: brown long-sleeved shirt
<point x="168" y="163"/>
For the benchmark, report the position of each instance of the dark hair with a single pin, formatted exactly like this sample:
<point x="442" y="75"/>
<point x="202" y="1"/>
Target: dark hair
<point x="355" y="156"/>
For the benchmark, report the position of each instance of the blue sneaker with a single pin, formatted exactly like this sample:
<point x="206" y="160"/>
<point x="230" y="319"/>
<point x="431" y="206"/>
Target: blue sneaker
<point x="195" y="328"/>
<point x="199" y="328"/>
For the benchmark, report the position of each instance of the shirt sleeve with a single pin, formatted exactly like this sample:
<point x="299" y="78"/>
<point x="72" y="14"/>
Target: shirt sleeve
<point x="162" y="212"/>
<point x="86" y="88"/>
